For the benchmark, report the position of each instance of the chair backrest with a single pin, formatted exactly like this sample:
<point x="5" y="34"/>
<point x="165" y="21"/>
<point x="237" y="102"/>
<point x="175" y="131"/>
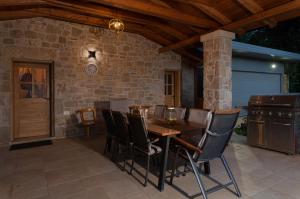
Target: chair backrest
<point x="218" y="133"/>
<point x="138" y="131"/>
<point x="121" y="124"/>
<point x="109" y="121"/>
<point x="159" y="111"/>
<point x="121" y="104"/>
<point x="198" y="116"/>
<point x="180" y="112"/>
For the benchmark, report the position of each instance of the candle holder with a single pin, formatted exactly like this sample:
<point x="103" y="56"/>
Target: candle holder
<point x="171" y="115"/>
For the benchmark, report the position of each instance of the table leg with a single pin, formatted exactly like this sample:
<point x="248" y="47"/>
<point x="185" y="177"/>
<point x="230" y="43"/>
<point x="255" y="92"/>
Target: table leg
<point x="164" y="162"/>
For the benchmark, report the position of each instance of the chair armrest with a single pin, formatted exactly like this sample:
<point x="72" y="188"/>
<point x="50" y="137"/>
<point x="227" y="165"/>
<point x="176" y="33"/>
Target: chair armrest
<point x="188" y="145"/>
<point x="154" y="140"/>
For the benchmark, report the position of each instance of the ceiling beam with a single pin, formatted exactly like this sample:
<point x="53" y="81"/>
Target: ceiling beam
<point x="243" y="23"/>
<point x="68" y="16"/>
<point x="20" y="2"/>
<point x="151" y="9"/>
<point x="161" y="3"/>
<point x="101" y="11"/>
<point x="285" y="8"/>
<point x="93" y="21"/>
<point x="254" y="8"/>
<point x="212" y="12"/>
<point x="204" y="2"/>
<point x="9" y="15"/>
<point x="168" y="30"/>
<point x="97" y="10"/>
<point x="149" y="34"/>
<point x="181" y="44"/>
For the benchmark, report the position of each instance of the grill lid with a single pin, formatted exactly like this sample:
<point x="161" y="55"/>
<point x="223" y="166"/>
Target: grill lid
<point x="275" y="100"/>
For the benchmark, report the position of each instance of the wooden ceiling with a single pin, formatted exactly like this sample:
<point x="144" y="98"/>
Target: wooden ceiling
<point x="175" y="24"/>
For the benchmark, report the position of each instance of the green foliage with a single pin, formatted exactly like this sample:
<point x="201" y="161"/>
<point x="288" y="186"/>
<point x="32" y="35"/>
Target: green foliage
<point x="285" y="36"/>
<point x="242" y="128"/>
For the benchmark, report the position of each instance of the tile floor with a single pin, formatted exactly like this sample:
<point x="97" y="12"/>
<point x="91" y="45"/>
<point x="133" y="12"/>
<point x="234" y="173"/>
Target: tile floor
<point x="76" y="168"/>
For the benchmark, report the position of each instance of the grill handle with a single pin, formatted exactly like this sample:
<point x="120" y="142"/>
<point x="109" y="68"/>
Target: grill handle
<point x="283" y="124"/>
<point x="285" y="105"/>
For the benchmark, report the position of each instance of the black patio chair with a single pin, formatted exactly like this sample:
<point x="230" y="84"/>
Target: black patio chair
<point x="198" y="116"/>
<point x="159" y="111"/>
<point x="211" y="146"/>
<point x="180" y="113"/>
<point x="110" y="129"/>
<point x="123" y="137"/>
<point x="141" y="142"/>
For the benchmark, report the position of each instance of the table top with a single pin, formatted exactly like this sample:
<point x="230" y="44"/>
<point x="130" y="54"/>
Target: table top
<point x="164" y="128"/>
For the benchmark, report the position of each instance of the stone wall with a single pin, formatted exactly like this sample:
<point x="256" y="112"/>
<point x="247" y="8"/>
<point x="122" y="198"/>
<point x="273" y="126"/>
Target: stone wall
<point x="129" y="67"/>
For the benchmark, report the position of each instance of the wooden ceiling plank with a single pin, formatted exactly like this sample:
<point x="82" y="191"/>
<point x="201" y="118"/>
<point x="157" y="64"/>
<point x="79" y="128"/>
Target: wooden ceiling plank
<point x="253" y="7"/>
<point x="69" y="16"/>
<point x="204" y="2"/>
<point x="4" y="3"/>
<point x="105" y="12"/>
<point x="161" y="3"/>
<point x="21" y="14"/>
<point x="237" y="25"/>
<point x="168" y="30"/>
<point x="180" y="44"/>
<point x="213" y="13"/>
<point x="158" y="11"/>
<point x="285" y="8"/>
<point x="95" y="10"/>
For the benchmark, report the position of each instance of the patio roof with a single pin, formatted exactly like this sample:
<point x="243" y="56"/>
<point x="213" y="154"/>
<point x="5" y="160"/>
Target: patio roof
<point x="259" y="52"/>
<point x="175" y="24"/>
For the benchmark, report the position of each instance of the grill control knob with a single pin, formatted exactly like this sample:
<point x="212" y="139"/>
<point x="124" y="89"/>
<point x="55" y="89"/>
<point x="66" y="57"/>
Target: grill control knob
<point x="261" y="112"/>
<point x="270" y="113"/>
<point x="279" y="114"/>
<point x="290" y="114"/>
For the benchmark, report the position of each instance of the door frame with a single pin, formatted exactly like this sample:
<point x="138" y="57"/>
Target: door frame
<point x="51" y="92"/>
<point x="177" y="85"/>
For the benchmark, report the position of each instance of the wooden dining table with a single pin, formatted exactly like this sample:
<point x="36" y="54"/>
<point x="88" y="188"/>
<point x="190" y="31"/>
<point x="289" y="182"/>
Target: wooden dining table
<point x="166" y="131"/>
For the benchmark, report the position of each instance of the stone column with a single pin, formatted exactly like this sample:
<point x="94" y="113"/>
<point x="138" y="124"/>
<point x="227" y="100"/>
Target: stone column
<point x="217" y="54"/>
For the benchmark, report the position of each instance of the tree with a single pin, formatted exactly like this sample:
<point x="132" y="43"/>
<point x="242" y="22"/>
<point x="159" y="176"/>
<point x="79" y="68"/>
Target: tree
<point x="285" y="36"/>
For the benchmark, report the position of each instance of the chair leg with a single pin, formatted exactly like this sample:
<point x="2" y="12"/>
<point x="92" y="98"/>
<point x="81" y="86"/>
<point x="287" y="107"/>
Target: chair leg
<point x="132" y="161"/>
<point x="174" y="166"/>
<point x="197" y="175"/>
<point x="231" y="176"/>
<point x="115" y="151"/>
<point x="185" y="168"/>
<point x="147" y="170"/>
<point x="106" y="146"/>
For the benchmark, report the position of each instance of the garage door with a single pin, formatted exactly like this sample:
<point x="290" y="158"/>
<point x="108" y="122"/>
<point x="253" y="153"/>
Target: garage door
<point x="245" y="84"/>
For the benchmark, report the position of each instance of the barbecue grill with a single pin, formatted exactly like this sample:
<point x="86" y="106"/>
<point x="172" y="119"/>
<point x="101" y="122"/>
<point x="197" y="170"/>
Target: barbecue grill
<point x="274" y="122"/>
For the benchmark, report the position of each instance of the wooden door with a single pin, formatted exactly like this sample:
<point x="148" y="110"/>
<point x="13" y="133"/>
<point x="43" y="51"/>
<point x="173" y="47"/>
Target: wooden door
<point x="172" y="88"/>
<point x="169" y="88"/>
<point x="31" y="100"/>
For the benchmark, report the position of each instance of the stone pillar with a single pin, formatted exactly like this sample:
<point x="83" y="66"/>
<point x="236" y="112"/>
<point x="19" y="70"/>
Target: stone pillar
<point x="217" y="54"/>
